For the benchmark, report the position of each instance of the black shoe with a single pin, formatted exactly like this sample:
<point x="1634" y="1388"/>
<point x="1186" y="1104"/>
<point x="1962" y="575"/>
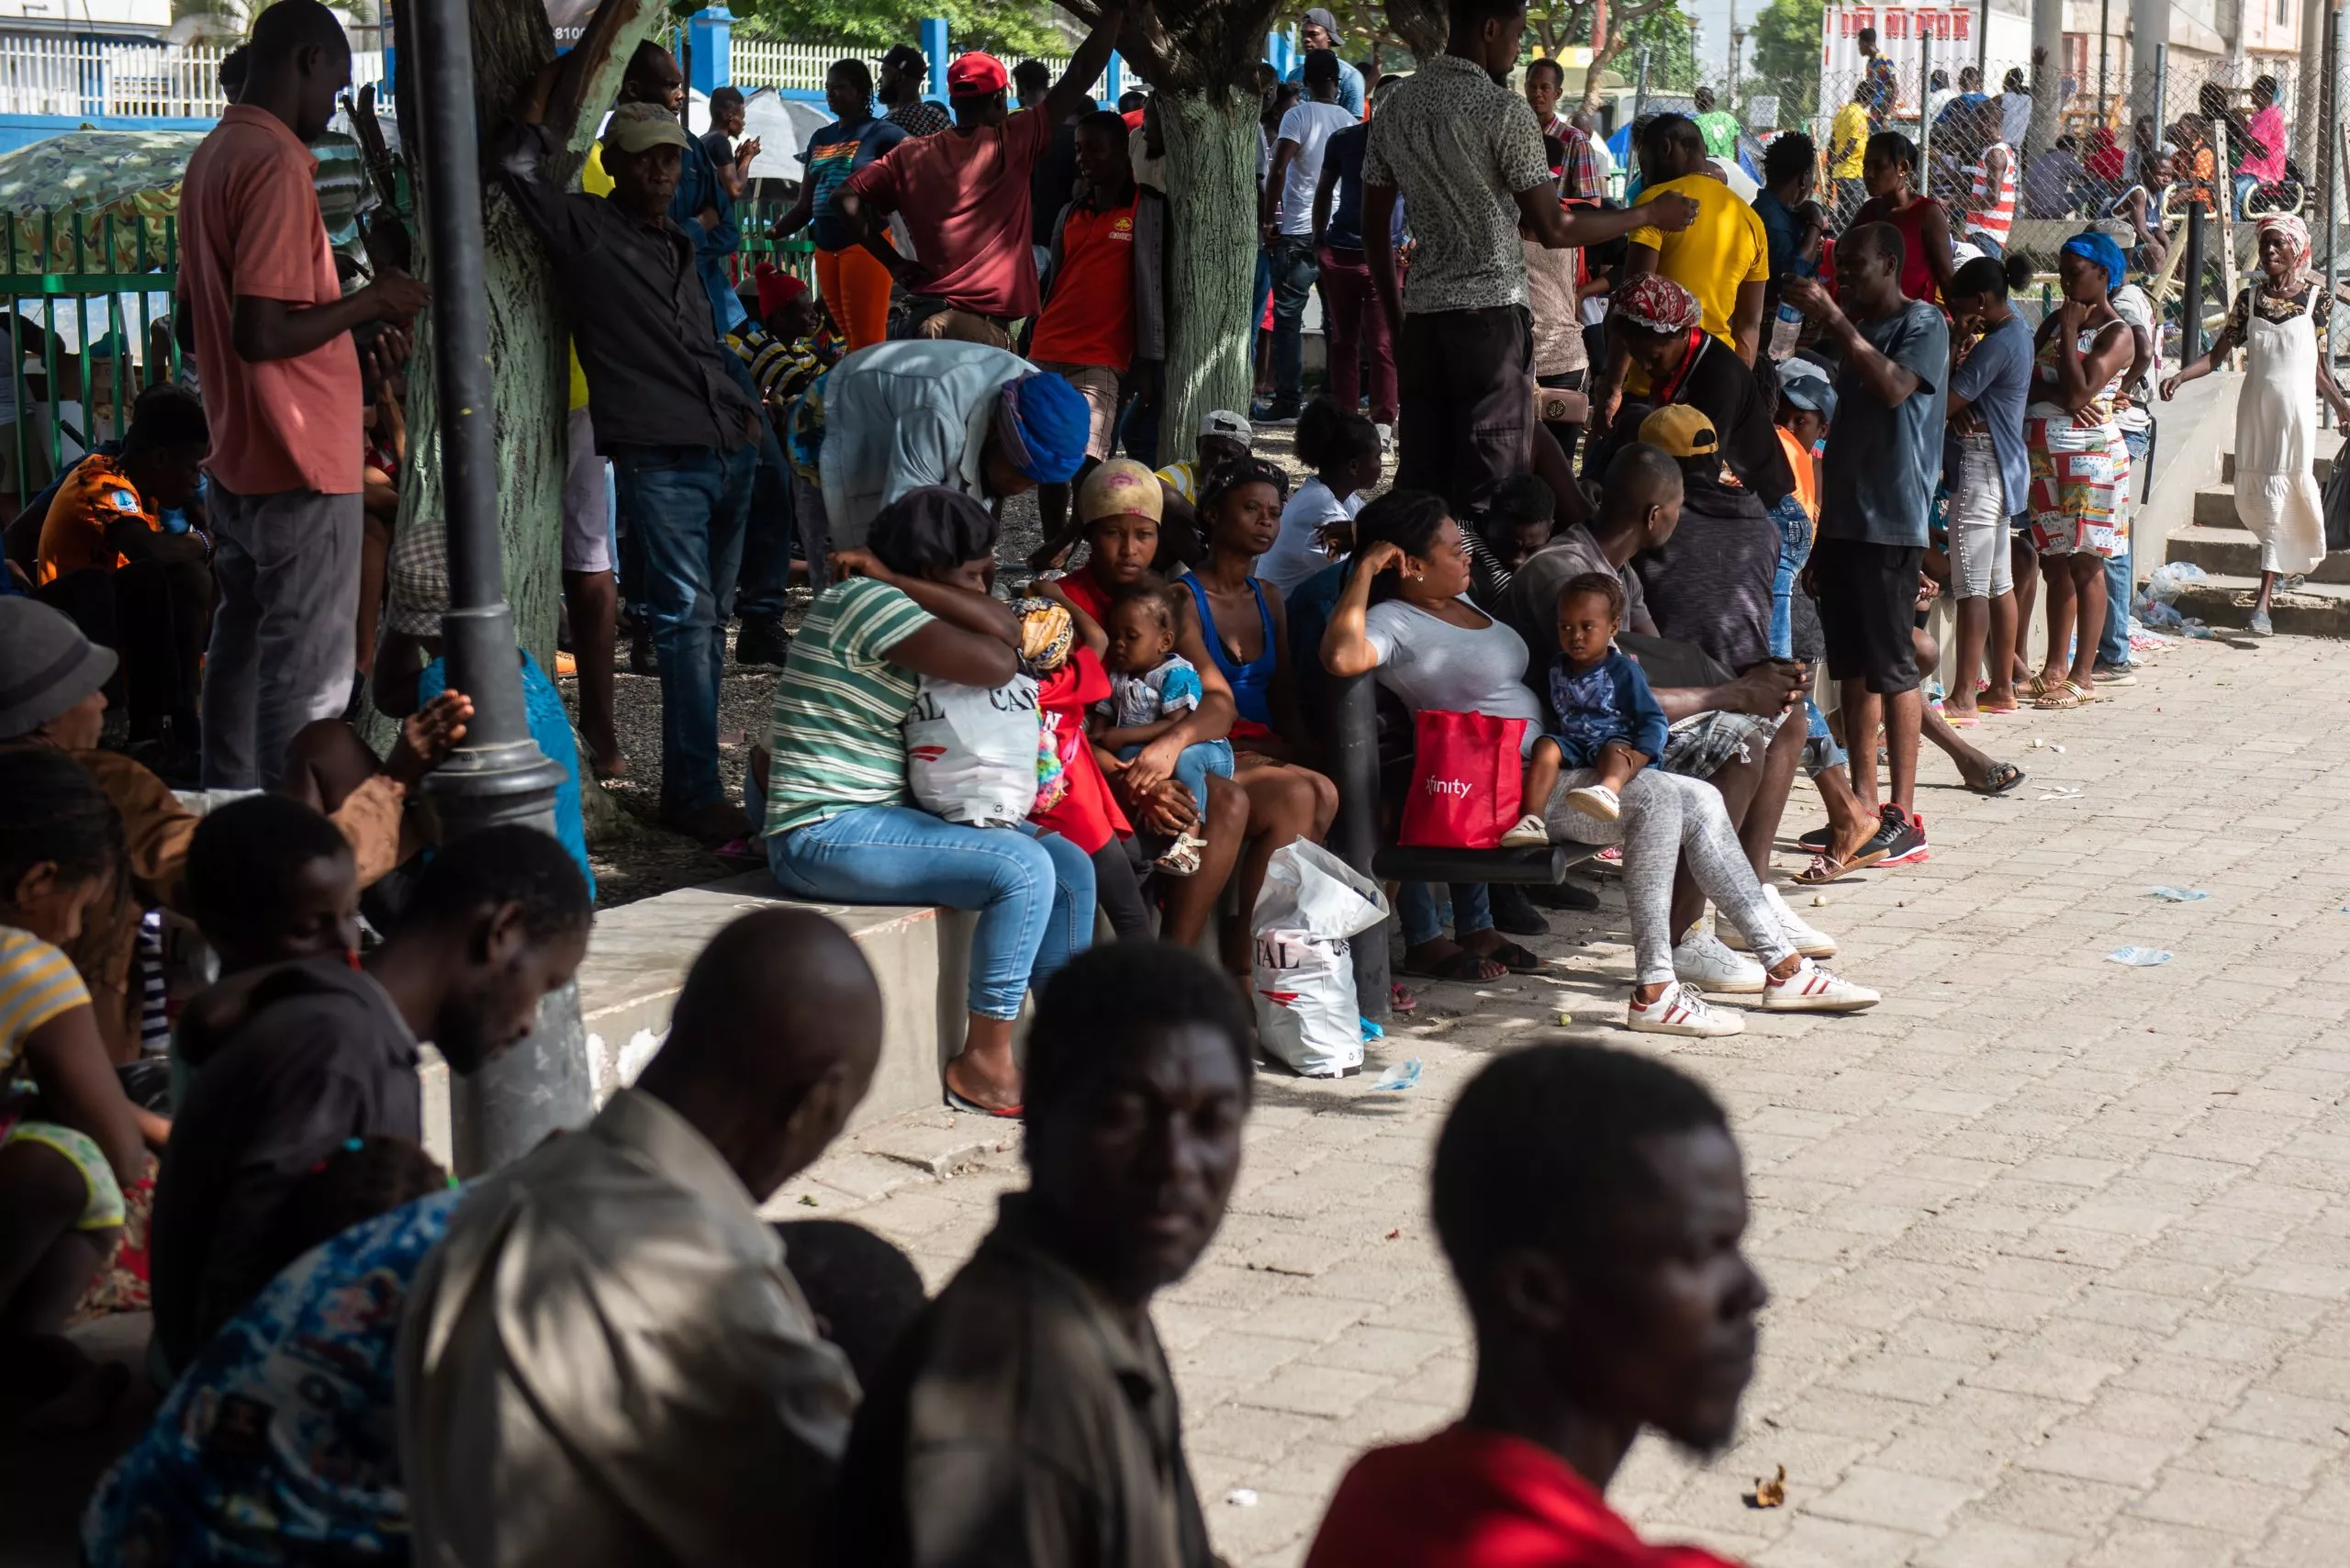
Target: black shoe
<point x="1561" y="895"/>
<point x="1893" y="833"/>
<point x="1819" y="839"/>
<point x="1514" y="913"/>
<point x="762" y="643"/>
<point x="641" y="659"/>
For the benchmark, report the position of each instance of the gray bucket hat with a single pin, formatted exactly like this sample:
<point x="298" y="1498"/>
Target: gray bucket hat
<point x="46" y="665"/>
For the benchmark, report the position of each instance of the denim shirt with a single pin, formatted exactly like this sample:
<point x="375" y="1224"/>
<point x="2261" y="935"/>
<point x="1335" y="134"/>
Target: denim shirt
<point x="699" y="186"/>
<point x="902" y="415"/>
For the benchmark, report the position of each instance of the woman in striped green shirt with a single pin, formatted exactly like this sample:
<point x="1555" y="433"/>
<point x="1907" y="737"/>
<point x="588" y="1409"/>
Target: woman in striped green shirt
<point x="839" y="826"/>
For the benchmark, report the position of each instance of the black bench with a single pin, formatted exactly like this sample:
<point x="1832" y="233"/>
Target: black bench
<point x="1359" y="837"/>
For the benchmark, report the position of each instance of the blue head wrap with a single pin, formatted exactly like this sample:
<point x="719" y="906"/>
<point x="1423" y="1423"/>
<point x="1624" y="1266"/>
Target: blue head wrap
<point x="1045" y="423"/>
<point x="2098" y="247"/>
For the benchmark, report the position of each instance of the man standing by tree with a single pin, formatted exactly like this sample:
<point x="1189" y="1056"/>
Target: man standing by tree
<point x="683" y="437"/>
<point x="1104" y="282"/>
<point x="1464" y="152"/>
<point x="1285" y="215"/>
<point x="964" y="196"/>
<point x="1320" y="30"/>
<point x="732" y="160"/>
<point x="282" y="388"/>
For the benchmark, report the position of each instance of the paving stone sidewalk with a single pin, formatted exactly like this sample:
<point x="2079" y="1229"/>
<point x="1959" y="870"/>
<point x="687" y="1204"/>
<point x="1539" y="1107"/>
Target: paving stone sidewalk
<point x="2059" y="1249"/>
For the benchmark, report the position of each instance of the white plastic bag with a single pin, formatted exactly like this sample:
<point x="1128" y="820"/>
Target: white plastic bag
<point x="971" y="751"/>
<point x="1312" y="903"/>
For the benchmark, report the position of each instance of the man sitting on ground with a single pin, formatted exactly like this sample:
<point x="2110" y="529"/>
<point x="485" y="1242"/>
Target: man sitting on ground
<point x="107" y="561"/>
<point x="1591" y="1203"/>
<point x="1029" y="1415"/>
<point x="322" y="1052"/>
<point x="607" y="1361"/>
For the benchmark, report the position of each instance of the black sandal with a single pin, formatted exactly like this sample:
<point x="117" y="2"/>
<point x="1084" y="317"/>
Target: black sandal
<point x="1463" y="967"/>
<point x="2003" y="776"/>
<point x="1517" y="960"/>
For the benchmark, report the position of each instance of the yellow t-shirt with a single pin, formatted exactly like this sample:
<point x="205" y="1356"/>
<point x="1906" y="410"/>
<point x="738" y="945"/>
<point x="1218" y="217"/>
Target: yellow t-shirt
<point x="1723" y="249"/>
<point x="595" y="181"/>
<point x="1848" y="141"/>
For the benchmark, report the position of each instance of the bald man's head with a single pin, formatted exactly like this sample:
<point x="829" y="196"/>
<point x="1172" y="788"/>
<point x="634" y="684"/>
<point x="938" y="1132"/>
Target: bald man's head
<point x="772" y="1043"/>
<point x="298" y="60"/>
<point x="1642" y="492"/>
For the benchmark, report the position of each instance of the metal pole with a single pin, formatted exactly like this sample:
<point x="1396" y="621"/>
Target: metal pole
<point x="1983" y="48"/>
<point x="499" y="775"/>
<point x="2162" y="95"/>
<point x="2190" y="321"/>
<point x="1925" y="120"/>
<point x="2104" y="42"/>
<point x="2333" y="175"/>
<point x="1354" y="835"/>
<point x="1640" y="91"/>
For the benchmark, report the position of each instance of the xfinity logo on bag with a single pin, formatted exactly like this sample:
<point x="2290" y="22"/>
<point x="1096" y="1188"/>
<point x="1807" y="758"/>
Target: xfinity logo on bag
<point x="1456" y="788"/>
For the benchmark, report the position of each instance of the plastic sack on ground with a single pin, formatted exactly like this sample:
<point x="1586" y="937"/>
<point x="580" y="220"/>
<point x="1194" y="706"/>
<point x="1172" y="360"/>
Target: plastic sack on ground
<point x="2169" y="579"/>
<point x="971" y="751"/>
<point x="1313" y="904"/>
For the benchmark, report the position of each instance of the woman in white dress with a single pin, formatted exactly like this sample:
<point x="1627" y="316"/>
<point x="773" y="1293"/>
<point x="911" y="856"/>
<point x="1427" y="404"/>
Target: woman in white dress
<point x="2281" y="322"/>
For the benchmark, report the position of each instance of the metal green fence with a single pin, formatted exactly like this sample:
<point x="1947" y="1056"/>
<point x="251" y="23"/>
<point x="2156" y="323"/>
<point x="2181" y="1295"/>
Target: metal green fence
<point x="82" y="280"/>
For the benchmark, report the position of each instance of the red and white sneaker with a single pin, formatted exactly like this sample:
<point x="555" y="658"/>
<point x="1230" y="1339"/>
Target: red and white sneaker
<point x="1908" y="844"/>
<point x="1679" y="1010"/>
<point x="1811" y="989"/>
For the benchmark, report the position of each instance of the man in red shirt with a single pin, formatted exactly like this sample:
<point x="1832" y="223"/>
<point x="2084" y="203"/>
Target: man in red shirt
<point x="964" y="196"/>
<point x="1102" y="285"/>
<point x="281" y="386"/>
<point x="1591" y="1202"/>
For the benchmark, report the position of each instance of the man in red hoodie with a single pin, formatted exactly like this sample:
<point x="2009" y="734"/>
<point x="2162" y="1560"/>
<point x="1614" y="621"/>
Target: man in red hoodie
<point x="1591" y="1203"/>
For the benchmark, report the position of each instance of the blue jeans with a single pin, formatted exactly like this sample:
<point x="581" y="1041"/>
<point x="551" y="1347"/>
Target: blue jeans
<point x="1192" y="765"/>
<point x="685" y="507"/>
<point x="1294" y="271"/>
<point x="1795" y="549"/>
<point x="2113" y="647"/>
<point x="1034" y="891"/>
<point x="1423" y="915"/>
<point x="767" y="531"/>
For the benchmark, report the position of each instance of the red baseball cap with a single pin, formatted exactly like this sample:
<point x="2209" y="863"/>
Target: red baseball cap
<point x="975" y="75"/>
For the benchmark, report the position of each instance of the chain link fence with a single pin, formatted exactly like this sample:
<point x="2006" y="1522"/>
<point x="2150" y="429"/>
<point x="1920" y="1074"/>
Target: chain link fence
<point x="2131" y="151"/>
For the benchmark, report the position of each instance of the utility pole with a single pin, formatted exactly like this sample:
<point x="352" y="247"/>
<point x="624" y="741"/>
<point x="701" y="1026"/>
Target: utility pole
<point x="499" y="775"/>
<point x="2047" y="77"/>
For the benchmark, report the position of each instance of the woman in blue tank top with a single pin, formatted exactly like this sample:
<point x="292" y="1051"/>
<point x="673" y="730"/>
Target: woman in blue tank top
<point x="1247" y="634"/>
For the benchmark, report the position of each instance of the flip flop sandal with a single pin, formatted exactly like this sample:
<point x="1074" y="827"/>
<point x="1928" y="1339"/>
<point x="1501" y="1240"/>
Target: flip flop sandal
<point x="1400" y="1000"/>
<point x="1820" y="872"/>
<point x="2003" y="777"/>
<point x="972" y="1108"/>
<point x="2040" y="686"/>
<point x="2062" y="696"/>
<point x="1983" y="707"/>
<point x="1463" y="968"/>
<point x="1963" y="721"/>
<point x="1517" y="960"/>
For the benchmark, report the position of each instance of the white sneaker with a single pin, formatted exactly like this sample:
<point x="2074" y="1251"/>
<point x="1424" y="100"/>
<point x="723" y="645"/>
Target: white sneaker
<point x="1386" y="437"/>
<point x="1681" y="1010"/>
<point x="1800" y="933"/>
<point x="1811" y="989"/>
<point x="1530" y="832"/>
<point x="1701" y="961"/>
<point x="1596" y="801"/>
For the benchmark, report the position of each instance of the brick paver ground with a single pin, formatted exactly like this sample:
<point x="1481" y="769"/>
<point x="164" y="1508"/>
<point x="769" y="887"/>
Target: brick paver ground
<point x="2059" y="1249"/>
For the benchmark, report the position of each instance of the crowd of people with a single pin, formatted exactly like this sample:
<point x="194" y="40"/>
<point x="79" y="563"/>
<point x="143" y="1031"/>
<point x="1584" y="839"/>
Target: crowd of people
<point x="1677" y="490"/>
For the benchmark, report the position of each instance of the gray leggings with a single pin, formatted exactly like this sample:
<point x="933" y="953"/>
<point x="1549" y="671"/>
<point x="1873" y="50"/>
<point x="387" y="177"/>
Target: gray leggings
<point x="1667" y="816"/>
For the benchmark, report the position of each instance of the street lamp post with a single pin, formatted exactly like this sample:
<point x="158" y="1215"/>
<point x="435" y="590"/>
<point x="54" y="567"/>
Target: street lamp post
<point x="499" y="775"/>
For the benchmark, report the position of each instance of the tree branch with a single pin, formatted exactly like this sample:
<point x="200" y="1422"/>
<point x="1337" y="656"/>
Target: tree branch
<point x="1207" y="47"/>
<point x="591" y="72"/>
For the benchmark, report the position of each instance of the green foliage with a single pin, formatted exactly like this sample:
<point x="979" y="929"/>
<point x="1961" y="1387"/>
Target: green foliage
<point x="1002" y="26"/>
<point x="1783" y="52"/>
<point x="1672" y="60"/>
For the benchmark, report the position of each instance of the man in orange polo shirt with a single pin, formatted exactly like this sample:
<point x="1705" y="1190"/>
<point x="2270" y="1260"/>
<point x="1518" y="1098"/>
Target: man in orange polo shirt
<point x="1104" y="285"/>
<point x="280" y="383"/>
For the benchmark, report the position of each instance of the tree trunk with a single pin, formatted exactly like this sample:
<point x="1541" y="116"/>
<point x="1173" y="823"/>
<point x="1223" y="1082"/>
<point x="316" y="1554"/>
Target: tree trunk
<point x="2047" y="78"/>
<point x="1212" y="274"/>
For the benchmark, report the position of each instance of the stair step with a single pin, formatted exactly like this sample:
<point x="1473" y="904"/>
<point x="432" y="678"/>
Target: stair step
<point x="2328" y="443"/>
<point x="2230" y="550"/>
<point x="2313" y="609"/>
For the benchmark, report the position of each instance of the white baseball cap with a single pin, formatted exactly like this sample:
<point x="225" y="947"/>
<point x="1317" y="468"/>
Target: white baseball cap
<point x="1223" y="421"/>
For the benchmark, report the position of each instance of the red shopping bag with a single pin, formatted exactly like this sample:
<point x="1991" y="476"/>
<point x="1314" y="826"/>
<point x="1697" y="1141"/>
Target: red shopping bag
<point x="1467" y="780"/>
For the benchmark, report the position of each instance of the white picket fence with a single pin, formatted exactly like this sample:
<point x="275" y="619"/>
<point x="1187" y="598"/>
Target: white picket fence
<point x="90" y="78"/>
<point x="800" y="67"/>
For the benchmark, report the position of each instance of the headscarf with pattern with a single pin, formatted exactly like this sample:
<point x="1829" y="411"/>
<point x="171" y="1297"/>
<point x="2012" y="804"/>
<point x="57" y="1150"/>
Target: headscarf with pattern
<point x="1656" y="304"/>
<point x="2290" y="228"/>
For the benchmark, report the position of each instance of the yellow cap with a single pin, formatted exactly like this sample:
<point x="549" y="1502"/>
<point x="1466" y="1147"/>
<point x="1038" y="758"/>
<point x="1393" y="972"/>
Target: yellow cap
<point x="1682" y="431"/>
<point x="1121" y="487"/>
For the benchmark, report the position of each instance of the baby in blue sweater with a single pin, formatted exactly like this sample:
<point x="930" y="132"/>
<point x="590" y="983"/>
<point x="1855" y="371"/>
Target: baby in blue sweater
<point x="1608" y="720"/>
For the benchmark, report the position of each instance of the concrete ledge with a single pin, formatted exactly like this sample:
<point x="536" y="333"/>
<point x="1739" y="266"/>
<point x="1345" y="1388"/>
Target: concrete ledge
<point x="639" y="953"/>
